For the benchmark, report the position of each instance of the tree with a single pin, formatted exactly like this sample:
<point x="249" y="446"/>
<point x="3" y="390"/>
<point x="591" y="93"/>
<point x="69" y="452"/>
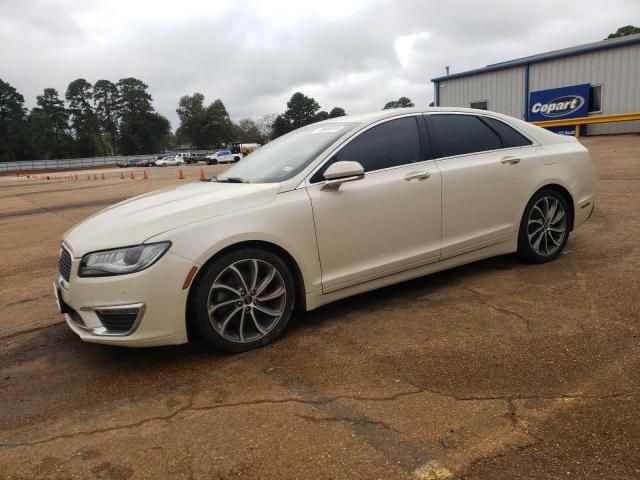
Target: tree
<point x="402" y="102"/>
<point x="218" y="127"/>
<point x="84" y="122"/>
<point x="321" y="115"/>
<point x="281" y="125"/>
<point x="337" y="112"/>
<point x="156" y="133"/>
<point x="248" y="131"/>
<point x="13" y="126"/>
<point x="301" y="110"/>
<point x="52" y="119"/>
<point x="193" y="120"/>
<point x="136" y="113"/>
<point x="105" y="97"/>
<point x="624" y="31"/>
<point x="265" y="125"/>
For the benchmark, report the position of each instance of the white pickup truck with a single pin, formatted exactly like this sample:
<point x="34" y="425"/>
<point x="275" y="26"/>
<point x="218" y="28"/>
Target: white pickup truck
<point x="223" y="156"/>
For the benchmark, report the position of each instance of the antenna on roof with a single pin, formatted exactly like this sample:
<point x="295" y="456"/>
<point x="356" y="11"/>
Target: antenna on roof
<point x="447" y="69"/>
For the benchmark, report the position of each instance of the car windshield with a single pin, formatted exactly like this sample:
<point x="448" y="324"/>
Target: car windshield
<point x="286" y="156"/>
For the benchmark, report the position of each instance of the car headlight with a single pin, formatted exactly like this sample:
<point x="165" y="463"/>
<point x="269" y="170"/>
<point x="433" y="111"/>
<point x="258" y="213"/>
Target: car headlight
<point x="121" y="261"/>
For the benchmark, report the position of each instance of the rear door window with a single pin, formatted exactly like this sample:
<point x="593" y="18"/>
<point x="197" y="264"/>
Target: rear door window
<point x="463" y="134"/>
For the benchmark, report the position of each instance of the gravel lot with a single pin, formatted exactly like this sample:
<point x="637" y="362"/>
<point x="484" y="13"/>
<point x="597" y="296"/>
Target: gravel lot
<point x="493" y="370"/>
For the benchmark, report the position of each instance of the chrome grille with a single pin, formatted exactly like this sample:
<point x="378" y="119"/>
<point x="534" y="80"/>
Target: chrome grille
<point x="64" y="263"/>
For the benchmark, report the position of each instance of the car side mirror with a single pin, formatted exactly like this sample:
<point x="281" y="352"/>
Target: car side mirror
<point x="342" y="172"/>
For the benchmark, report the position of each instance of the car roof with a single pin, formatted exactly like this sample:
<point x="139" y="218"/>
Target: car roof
<point x="371" y="117"/>
<point x="539" y="134"/>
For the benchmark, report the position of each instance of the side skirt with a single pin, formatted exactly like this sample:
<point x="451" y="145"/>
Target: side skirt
<point x="509" y="245"/>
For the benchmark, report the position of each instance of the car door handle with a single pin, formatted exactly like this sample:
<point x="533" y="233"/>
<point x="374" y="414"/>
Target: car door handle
<point x="510" y="160"/>
<point x="417" y="176"/>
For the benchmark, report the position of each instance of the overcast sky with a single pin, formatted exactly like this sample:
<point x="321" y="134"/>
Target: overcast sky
<point x="255" y="54"/>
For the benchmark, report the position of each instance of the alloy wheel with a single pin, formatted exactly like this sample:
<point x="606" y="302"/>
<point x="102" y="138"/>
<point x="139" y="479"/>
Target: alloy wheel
<point x="547" y="226"/>
<point x="246" y="300"/>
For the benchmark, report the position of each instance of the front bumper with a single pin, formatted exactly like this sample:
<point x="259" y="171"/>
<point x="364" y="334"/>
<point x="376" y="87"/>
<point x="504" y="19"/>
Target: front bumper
<point x="154" y="296"/>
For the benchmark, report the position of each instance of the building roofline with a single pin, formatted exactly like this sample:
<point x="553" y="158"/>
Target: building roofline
<point x="545" y="57"/>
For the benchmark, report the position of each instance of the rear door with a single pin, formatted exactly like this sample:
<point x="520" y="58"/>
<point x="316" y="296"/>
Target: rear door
<point x="388" y="221"/>
<point x="487" y="169"/>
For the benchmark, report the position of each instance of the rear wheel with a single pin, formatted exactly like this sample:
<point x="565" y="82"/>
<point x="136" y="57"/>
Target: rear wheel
<point x="243" y="300"/>
<point x="544" y="229"/>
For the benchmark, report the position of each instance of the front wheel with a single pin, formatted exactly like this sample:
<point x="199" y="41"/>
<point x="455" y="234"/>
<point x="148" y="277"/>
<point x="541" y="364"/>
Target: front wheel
<point x="243" y="300"/>
<point x="545" y="225"/>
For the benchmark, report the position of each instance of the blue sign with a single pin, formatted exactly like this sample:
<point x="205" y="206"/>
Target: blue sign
<point x="559" y="103"/>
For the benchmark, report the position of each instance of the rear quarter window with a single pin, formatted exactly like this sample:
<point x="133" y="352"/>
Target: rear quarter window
<point x="510" y="136"/>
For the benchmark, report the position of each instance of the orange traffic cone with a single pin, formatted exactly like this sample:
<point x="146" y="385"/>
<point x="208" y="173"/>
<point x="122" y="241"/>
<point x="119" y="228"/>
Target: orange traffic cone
<point x="102" y="177"/>
<point x="95" y="177"/>
<point x="180" y="175"/>
<point x="144" y="175"/>
<point x="88" y="177"/>
<point x="76" y="176"/>
<point x="132" y="176"/>
<point x="121" y="175"/>
<point x="202" y="177"/>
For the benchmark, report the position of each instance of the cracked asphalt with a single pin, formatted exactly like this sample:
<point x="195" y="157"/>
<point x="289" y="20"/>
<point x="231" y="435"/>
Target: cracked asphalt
<point x="495" y="370"/>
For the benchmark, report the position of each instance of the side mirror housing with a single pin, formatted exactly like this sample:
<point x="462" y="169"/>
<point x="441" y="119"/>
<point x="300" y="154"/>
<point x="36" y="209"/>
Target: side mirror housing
<point x="342" y="172"/>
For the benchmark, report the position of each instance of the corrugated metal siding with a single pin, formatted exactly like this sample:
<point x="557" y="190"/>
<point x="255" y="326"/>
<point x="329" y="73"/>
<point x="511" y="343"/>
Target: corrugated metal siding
<point x="503" y="90"/>
<point x="617" y="70"/>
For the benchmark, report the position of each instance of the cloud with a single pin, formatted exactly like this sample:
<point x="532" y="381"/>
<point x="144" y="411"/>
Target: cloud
<point x="253" y="54"/>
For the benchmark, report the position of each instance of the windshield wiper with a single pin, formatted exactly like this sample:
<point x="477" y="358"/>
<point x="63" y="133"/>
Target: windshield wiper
<point x="232" y="180"/>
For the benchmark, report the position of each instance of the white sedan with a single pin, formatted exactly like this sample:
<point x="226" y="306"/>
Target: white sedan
<point x="327" y="211"/>
<point x="169" y="161"/>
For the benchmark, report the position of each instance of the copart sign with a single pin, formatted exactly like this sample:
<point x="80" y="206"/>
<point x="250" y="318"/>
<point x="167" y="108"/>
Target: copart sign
<point x="559" y="103"/>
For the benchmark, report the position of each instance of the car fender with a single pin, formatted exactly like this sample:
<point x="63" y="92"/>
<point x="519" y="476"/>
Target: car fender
<point x="569" y="166"/>
<point x="286" y="222"/>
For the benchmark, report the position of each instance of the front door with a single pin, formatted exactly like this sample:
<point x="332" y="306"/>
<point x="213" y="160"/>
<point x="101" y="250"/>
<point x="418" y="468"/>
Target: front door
<point x="386" y="222"/>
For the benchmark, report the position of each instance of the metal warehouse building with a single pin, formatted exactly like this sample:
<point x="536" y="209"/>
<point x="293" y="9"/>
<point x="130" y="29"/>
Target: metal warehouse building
<point x="600" y="78"/>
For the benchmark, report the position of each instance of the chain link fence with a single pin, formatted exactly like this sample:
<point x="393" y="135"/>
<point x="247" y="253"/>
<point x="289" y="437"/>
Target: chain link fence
<point x="68" y="163"/>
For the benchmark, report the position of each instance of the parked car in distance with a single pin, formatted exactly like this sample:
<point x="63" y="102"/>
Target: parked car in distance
<point x="194" y="158"/>
<point x="141" y="162"/>
<point x="123" y="163"/>
<point x="169" y="161"/>
<point x="154" y="159"/>
<point x="222" y="156"/>
<point x="327" y="211"/>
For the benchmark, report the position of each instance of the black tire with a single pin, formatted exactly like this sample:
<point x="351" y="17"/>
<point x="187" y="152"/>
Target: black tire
<point x="198" y="314"/>
<point x="527" y="249"/>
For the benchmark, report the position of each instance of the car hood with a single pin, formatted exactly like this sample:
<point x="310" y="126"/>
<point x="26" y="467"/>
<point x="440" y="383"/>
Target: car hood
<point x="133" y="221"/>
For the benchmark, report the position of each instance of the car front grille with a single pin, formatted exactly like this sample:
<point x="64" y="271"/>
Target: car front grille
<point x="64" y="263"/>
<point x="119" y="320"/>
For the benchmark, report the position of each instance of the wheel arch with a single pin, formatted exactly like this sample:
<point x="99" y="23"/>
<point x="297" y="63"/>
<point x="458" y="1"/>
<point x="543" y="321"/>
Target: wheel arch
<point x="565" y="194"/>
<point x="259" y="244"/>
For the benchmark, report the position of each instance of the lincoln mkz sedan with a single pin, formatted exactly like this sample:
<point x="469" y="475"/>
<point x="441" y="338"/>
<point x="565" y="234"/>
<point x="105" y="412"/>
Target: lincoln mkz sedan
<point x="327" y="211"/>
